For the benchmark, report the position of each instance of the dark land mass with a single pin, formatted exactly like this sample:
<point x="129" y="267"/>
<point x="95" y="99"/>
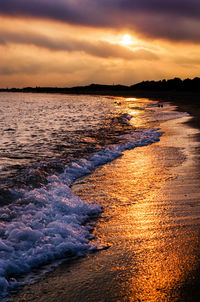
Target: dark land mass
<point x="184" y="93"/>
<point x="170" y="85"/>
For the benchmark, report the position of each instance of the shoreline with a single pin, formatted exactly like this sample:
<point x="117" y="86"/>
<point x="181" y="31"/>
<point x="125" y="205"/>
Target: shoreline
<point x="186" y="100"/>
<point x="92" y="270"/>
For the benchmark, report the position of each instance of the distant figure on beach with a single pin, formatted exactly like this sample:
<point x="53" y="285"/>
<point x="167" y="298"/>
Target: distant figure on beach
<point x="118" y="103"/>
<point x="160" y="105"/>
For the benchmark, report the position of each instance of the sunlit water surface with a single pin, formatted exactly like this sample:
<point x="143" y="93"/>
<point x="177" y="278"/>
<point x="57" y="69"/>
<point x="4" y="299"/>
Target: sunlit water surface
<point x="50" y="141"/>
<point x="44" y="127"/>
<point x="47" y="142"/>
<point x="151" y="222"/>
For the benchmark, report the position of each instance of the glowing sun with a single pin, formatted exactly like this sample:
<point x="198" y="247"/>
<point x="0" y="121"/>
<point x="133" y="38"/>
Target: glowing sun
<point x="126" y="40"/>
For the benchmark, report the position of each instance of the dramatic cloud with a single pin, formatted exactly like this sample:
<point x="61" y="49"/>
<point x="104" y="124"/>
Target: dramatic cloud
<point x="172" y="19"/>
<point x="78" y="42"/>
<point x="95" y="48"/>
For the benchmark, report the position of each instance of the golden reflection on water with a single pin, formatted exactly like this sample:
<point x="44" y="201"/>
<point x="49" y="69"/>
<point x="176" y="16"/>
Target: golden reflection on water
<point x="150" y="221"/>
<point x="131" y="99"/>
<point x="152" y="252"/>
<point x="138" y="109"/>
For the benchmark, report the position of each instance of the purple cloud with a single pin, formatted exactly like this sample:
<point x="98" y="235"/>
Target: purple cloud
<point x="172" y="19"/>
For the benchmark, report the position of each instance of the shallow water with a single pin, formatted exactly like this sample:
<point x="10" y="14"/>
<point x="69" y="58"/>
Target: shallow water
<point x="50" y="141"/>
<point x="151" y="222"/>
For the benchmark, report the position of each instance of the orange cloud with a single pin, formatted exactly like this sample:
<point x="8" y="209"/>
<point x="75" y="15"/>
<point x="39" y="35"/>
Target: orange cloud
<point x="38" y="52"/>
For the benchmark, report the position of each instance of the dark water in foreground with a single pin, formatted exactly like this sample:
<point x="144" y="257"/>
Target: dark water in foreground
<point x="44" y="128"/>
<point x="47" y="143"/>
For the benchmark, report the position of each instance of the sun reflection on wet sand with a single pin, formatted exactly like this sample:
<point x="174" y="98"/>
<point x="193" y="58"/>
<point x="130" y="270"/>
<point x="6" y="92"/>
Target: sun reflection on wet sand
<point x="159" y="251"/>
<point x="151" y="222"/>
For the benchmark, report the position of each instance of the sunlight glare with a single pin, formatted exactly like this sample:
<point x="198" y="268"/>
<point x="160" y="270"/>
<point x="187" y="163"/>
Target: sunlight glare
<point x="131" y="99"/>
<point x="127" y="39"/>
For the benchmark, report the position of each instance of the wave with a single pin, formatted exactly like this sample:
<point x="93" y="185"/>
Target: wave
<point x="48" y="223"/>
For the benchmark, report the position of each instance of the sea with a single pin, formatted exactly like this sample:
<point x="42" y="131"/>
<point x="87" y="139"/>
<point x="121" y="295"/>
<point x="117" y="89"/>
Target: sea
<point x="47" y="142"/>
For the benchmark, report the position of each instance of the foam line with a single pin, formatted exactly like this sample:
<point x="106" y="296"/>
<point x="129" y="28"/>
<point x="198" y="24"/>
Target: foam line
<point x="47" y="223"/>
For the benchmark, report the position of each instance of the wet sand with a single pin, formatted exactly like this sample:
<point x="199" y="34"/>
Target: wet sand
<point x="151" y="221"/>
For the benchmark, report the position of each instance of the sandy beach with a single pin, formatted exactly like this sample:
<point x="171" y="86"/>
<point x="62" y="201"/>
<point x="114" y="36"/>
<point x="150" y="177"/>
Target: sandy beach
<point x="150" y="222"/>
<point x="99" y="151"/>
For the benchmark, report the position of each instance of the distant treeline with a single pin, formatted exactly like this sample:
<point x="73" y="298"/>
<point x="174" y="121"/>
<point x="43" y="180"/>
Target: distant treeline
<point x="175" y="84"/>
<point x="172" y="84"/>
<point x="90" y="89"/>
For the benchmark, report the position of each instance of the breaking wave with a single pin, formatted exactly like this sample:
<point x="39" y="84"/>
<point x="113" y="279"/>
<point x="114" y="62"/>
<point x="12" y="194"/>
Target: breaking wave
<point x="48" y="223"/>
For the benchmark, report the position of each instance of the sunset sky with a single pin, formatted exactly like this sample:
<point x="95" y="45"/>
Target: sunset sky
<point x="77" y="42"/>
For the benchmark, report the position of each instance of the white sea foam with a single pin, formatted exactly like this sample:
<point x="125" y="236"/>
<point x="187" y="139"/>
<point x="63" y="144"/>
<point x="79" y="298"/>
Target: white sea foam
<point x="47" y="223"/>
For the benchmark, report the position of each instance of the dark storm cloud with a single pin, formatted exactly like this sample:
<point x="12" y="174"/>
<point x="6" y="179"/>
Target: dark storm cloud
<point x="171" y="19"/>
<point x="100" y="49"/>
<point x="183" y="8"/>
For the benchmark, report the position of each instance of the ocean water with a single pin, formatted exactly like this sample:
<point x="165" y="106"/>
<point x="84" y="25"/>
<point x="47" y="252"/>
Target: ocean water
<point x="47" y="142"/>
